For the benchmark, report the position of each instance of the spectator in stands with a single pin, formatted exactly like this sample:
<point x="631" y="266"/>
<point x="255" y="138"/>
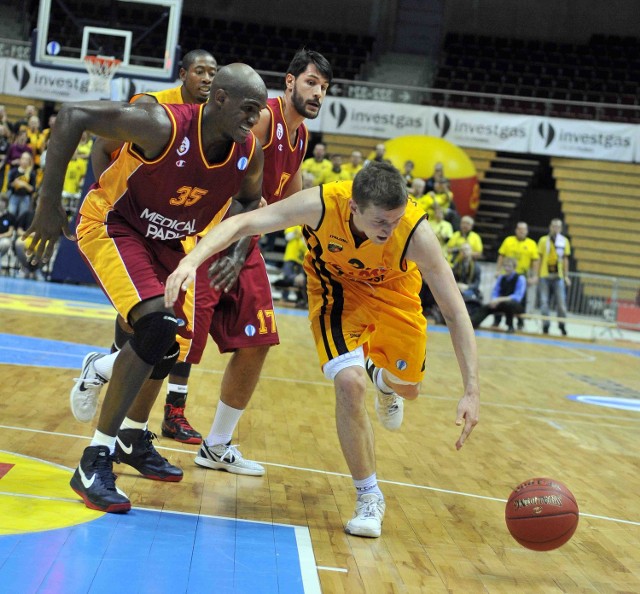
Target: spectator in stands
<point x="23" y="123"/>
<point x="292" y="271"/>
<point x="466" y="234"/>
<point x="318" y="164"/>
<point x="5" y="143"/>
<point x="378" y="157"/>
<point x="19" y="145"/>
<point x="467" y="273"/>
<point x="4" y="118"/>
<point x="443" y="196"/>
<point x="438" y="176"/>
<point x="22" y="185"/>
<point x="506" y="297"/>
<point x="27" y="269"/>
<point x="525" y="252"/>
<point x="36" y="139"/>
<point x="336" y="173"/>
<point x="408" y="172"/>
<point x="442" y="228"/>
<point x="7" y="226"/>
<point x="417" y="192"/>
<point x="554" y="250"/>
<point x="354" y="164"/>
<point x="51" y="122"/>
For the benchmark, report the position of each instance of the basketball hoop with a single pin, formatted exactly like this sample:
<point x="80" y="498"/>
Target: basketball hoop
<point x="101" y="70"/>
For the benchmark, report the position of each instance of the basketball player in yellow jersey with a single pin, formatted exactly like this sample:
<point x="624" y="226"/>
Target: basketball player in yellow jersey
<point x="369" y="248"/>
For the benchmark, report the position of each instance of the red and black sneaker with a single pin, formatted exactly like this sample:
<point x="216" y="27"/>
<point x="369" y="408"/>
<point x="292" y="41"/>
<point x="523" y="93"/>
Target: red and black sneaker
<point x="176" y="426"/>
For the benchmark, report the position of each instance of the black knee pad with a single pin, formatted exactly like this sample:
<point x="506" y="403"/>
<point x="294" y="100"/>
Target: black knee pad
<point x="163" y="369"/>
<point x="153" y="335"/>
<point x="181" y="369"/>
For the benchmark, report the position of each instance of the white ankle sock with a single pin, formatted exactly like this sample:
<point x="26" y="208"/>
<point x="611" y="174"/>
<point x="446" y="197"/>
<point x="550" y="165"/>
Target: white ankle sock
<point x="103" y="439"/>
<point x="380" y="383"/>
<point x="131" y="424"/>
<point x="177" y="388"/>
<point x="367" y="485"/>
<point x="104" y="365"/>
<point x="224" y="424"/>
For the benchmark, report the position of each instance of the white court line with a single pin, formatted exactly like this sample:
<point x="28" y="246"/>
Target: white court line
<point x="340" y="474"/>
<point x="581" y="358"/>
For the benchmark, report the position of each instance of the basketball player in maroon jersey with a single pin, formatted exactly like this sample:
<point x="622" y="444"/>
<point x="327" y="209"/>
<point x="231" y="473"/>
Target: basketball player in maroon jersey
<point x="243" y="322"/>
<point x="180" y="165"/>
<point x="197" y="71"/>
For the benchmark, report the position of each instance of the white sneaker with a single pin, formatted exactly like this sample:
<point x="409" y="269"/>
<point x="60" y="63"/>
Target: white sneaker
<point x="390" y="410"/>
<point x="83" y="397"/>
<point x="367" y="520"/>
<point x="227" y="457"/>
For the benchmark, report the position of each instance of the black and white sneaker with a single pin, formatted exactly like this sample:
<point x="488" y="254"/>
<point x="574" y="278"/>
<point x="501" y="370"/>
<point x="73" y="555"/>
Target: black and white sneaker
<point x="227" y="457"/>
<point x="83" y="397"/>
<point x="95" y="482"/>
<point x="134" y="447"/>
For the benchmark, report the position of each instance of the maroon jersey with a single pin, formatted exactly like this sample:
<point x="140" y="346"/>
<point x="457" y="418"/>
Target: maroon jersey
<point x="281" y="158"/>
<point x="175" y="195"/>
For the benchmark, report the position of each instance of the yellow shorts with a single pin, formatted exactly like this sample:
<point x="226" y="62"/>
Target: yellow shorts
<point x="387" y="321"/>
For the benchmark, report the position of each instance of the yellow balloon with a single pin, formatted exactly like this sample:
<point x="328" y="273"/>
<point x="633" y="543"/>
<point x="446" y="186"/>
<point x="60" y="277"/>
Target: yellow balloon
<point x="425" y="152"/>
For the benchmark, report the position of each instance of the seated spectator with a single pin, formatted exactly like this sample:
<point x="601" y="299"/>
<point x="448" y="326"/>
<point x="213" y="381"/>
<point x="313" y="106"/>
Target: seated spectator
<point x="27" y="269"/>
<point x="22" y="185"/>
<point x="23" y="123"/>
<point x="443" y="196"/>
<point x="36" y="138"/>
<point x="292" y="270"/>
<point x="524" y="251"/>
<point x="318" y="164"/>
<point x="442" y="228"/>
<point x="417" y="192"/>
<point x="506" y="297"/>
<point x="354" y="164"/>
<point x="468" y="275"/>
<point x="19" y="145"/>
<point x="466" y="234"/>
<point x="7" y="226"/>
<point x="4" y="119"/>
<point x="5" y="143"/>
<point x="336" y="173"/>
<point x="408" y="172"/>
<point x="438" y="176"/>
<point x="378" y="157"/>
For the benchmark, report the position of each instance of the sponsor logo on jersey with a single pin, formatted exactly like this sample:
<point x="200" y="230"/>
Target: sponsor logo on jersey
<point x="338" y="238"/>
<point x="301" y="145"/>
<point x="279" y="131"/>
<point x="164" y="229"/>
<point x="243" y="163"/>
<point x="184" y="147"/>
<point x="181" y="163"/>
<point x="250" y="330"/>
<point x="401" y="364"/>
<point x="280" y="147"/>
<point x="334" y="247"/>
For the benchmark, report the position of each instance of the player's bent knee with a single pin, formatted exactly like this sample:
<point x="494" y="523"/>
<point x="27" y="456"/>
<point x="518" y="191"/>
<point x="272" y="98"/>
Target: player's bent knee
<point x="154" y="334"/>
<point x="164" y="368"/>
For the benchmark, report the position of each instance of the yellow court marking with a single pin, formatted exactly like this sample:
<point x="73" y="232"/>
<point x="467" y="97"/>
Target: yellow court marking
<point x="35" y="496"/>
<point x="55" y="307"/>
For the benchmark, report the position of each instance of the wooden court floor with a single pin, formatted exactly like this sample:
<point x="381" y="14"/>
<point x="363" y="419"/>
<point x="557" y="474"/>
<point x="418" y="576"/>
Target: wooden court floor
<point x="547" y="410"/>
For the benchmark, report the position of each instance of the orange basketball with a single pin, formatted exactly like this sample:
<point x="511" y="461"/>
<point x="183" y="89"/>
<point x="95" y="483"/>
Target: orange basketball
<point x="541" y="514"/>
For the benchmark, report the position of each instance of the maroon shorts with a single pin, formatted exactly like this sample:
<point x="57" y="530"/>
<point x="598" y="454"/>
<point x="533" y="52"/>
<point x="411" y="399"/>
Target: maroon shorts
<point x="244" y="316"/>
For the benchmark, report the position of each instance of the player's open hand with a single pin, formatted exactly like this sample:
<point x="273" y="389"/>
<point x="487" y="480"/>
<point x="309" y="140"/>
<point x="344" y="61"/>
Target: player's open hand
<point x="179" y="280"/>
<point x="40" y="238"/>
<point x="468" y="415"/>
<point x="224" y="272"/>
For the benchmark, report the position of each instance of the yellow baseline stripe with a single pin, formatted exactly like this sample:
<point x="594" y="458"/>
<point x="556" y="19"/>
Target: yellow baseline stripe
<point x="55" y="307"/>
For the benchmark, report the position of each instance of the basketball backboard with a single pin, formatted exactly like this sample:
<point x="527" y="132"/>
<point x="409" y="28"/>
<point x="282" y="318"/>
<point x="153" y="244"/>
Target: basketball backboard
<point x="143" y="34"/>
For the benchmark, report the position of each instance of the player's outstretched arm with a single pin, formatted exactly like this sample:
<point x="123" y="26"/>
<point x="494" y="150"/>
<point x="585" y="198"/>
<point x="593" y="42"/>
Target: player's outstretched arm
<point x="426" y="252"/>
<point x="306" y="209"/>
<point x="148" y="126"/>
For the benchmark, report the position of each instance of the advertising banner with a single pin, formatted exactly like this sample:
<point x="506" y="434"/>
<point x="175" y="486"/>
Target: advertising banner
<point x="604" y="141"/>
<point x="377" y="119"/>
<point x="481" y="129"/>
